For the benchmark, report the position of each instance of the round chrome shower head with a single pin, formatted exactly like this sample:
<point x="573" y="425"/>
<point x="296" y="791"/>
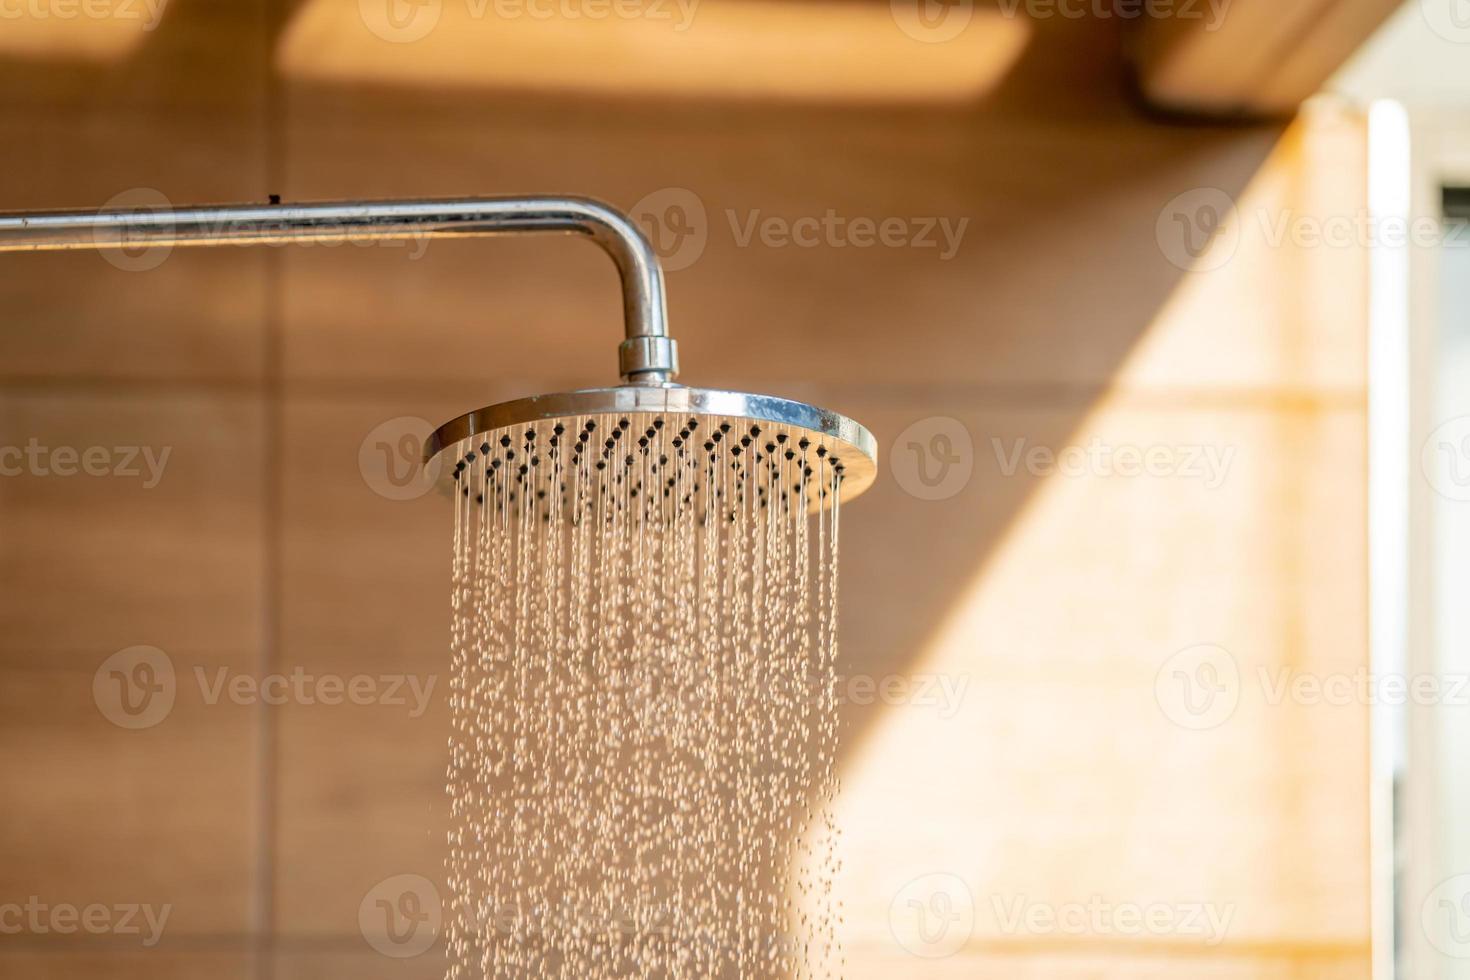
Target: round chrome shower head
<point x="845" y="445"/>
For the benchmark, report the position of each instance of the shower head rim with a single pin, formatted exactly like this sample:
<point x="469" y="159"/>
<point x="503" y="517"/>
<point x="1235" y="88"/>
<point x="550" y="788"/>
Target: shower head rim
<point x="848" y="440"/>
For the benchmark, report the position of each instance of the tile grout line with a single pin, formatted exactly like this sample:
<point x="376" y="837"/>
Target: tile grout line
<point x="976" y="395"/>
<point x="274" y="13"/>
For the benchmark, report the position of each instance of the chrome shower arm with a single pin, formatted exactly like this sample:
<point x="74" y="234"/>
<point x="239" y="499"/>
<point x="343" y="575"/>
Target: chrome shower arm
<point x="647" y="356"/>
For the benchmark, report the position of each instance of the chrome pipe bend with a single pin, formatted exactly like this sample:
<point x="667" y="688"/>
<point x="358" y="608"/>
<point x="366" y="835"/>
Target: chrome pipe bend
<point x="648" y="355"/>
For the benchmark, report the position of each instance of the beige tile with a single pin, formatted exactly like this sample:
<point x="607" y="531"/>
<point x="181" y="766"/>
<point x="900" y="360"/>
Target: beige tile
<point x="181" y="314"/>
<point x="365" y="576"/>
<point x="867" y="963"/>
<point x="136" y="966"/>
<point x="366" y="965"/>
<point x="162" y="549"/>
<point x="361" y="786"/>
<point x="164" y="815"/>
<point x="360" y="800"/>
<point x="168" y="557"/>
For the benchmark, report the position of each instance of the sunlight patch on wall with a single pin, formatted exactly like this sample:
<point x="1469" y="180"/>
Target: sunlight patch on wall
<point x="89" y="30"/>
<point x="1244" y="258"/>
<point x="1128" y="775"/>
<point x="825" y="51"/>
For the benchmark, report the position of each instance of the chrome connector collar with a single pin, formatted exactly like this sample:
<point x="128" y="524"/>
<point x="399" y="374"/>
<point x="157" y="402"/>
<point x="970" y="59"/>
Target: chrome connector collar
<point x="648" y="360"/>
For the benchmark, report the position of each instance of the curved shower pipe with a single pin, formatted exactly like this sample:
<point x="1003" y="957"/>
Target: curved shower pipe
<point x="647" y="356"/>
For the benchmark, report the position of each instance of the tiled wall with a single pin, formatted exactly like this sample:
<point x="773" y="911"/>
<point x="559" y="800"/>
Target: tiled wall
<point x="263" y="550"/>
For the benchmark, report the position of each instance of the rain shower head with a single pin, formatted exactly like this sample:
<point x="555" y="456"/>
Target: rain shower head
<point x="666" y="420"/>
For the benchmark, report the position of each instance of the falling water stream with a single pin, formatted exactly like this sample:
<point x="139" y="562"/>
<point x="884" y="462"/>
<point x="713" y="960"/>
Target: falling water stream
<point x="643" y="697"/>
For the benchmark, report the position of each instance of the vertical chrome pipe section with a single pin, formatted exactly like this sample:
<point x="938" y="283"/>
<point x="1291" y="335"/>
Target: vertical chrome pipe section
<point x="648" y="355"/>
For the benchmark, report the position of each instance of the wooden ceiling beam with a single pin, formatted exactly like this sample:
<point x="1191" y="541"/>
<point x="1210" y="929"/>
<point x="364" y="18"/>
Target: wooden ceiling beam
<point x="1247" y="58"/>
